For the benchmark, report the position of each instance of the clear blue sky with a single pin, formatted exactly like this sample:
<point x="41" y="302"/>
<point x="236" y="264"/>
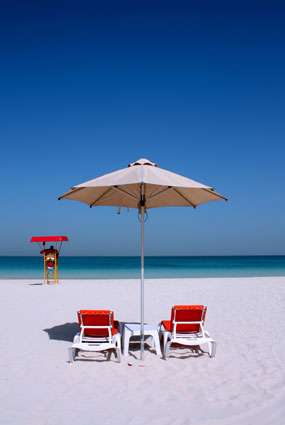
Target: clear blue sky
<point x="197" y="87"/>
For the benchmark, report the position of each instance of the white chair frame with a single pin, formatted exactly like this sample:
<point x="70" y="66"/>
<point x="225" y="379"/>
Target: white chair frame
<point x="96" y="344"/>
<point x="187" y="339"/>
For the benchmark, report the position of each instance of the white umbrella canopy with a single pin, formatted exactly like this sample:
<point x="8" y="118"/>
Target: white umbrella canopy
<point x="142" y="185"/>
<point x="161" y="188"/>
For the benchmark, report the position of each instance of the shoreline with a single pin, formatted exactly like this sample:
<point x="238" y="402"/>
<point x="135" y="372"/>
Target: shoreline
<point x="147" y="278"/>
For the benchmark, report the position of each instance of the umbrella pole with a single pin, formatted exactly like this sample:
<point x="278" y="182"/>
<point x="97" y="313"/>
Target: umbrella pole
<point x="142" y="213"/>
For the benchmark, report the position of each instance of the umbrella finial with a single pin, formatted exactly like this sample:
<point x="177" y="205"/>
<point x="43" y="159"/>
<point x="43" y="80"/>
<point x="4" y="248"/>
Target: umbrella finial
<point x="143" y="161"/>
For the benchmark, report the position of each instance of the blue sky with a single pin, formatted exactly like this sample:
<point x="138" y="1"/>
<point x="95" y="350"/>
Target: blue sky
<point x="198" y="87"/>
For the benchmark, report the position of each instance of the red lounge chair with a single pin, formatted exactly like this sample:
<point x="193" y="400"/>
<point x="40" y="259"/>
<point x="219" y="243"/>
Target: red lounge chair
<point x="186" y="327"/>
<point x="98" y="332"/>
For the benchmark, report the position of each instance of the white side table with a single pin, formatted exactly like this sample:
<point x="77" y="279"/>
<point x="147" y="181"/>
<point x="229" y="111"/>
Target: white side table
<point x="134" y="329"/>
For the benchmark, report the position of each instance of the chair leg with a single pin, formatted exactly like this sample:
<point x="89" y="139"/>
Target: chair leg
<point x="157" y="344"/>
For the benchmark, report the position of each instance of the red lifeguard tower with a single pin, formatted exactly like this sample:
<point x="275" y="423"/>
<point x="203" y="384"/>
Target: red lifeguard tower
<point x="50" y="255"/>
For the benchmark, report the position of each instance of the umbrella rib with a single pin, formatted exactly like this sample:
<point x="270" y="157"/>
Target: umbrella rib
<point x="159" y="192"/>
<point x="71" y="191"/>
<point x="100" y="197"/>
<point x="215" y="193"/>
<point x="184" y="197"/>
<point x="125" y="192"/>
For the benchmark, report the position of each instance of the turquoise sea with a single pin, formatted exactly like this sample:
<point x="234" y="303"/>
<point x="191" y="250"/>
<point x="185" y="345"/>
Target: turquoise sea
<point x="155" y="267"/>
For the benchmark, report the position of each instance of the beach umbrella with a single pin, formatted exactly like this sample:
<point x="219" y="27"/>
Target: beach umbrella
<point x="142" y="185"/>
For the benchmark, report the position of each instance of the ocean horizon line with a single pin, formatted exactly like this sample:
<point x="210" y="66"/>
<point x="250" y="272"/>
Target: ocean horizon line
<point x="152" y="256"/>
<point x="128" y="267"/>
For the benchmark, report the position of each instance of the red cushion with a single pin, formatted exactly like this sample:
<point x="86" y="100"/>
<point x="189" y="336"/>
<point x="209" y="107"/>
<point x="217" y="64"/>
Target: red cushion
<point x="97" y="318"/>
<point x="185" y="313"/>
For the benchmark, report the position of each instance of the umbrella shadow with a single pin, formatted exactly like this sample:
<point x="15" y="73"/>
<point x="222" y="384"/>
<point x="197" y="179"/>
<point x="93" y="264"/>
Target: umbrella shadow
<point x="64" y="332"/>
<point x="135" y="351"/>
<point x="135" y="347"/>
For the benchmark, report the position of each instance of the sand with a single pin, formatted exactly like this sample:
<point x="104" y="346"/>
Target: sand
<point x="244" y="383"/>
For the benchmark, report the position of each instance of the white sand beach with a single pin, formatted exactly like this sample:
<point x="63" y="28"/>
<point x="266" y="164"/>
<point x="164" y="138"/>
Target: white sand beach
<point x="243" y="384"/>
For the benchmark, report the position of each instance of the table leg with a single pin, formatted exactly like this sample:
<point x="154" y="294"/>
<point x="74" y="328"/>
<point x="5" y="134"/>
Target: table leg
<point x="127" y="336"/>
<point x="156" y="343"/>
<point x="165" y="339"/>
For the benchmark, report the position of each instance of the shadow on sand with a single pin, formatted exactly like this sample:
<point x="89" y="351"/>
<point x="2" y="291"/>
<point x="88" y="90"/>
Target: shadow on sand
<point x="188" y="352"/>
<point x="63" y="332"/>
<point x="66" y="332"/>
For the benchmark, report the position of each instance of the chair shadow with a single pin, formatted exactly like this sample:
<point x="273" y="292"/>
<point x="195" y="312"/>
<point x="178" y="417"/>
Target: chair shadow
<point x="63" y="332"/>
<point x="191" y="352"/>
<point x="66" y="332"/>
<point x="96" y="358"/>
<point x="35" y="284"/>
